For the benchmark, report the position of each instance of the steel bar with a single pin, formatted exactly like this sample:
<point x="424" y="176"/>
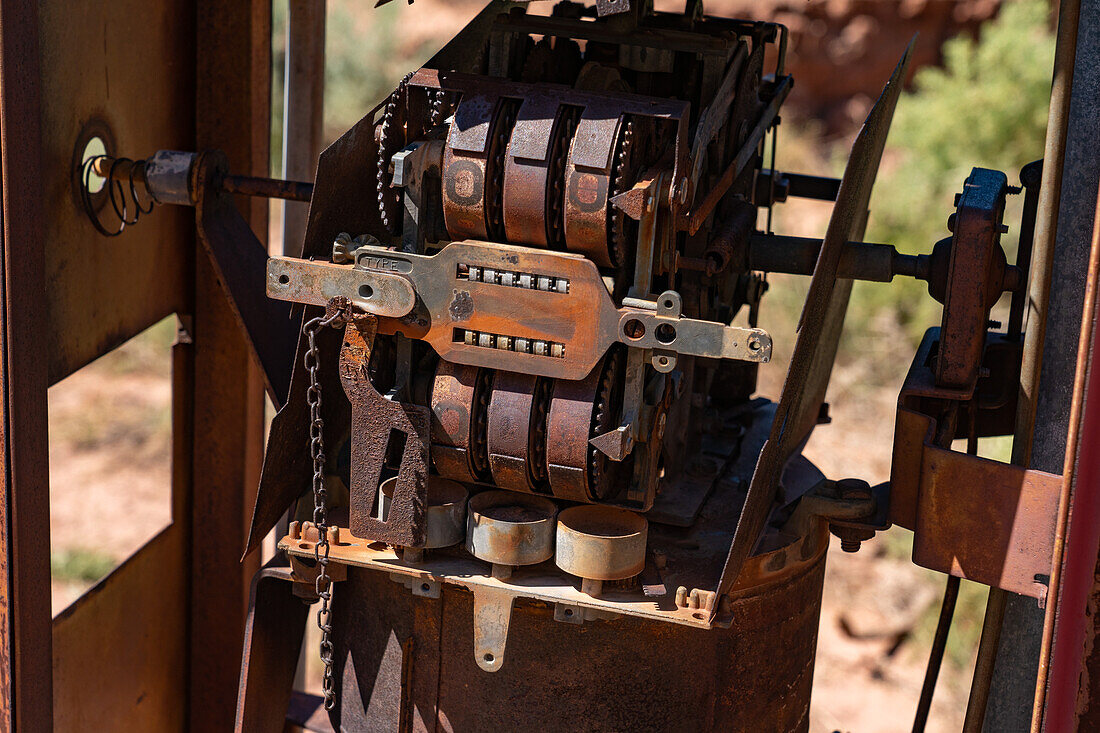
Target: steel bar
<point x="859" y="261"/>
<point x="272" y="188"/>
<point x="935" y="657"/>
<point x="987" y="655"/>
<point x="804" y="186"/>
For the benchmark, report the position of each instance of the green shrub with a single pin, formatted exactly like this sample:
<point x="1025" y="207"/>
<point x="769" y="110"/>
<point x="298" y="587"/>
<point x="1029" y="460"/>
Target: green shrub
<point x="985" y="107"/>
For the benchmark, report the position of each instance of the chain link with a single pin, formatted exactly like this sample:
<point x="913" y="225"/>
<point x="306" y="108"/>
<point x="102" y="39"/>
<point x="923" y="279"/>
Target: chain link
<point x="323" y="583"/>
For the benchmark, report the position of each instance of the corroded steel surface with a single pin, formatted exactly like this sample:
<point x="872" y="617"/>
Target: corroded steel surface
<point x="459" y="398"/>
<point x="504" y="528"/>
<point x="374" y="421"/>
<point x="514" y="431"/>
<point x="600" y="542"/>
<point x="658" y="675"/>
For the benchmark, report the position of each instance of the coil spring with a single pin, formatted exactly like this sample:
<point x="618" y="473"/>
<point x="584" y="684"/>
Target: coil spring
<point x="116" y="193"/>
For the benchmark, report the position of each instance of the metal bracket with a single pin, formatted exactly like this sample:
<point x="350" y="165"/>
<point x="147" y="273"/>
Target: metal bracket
<point x="492" y="615"/>
<point x="974" y="518"/>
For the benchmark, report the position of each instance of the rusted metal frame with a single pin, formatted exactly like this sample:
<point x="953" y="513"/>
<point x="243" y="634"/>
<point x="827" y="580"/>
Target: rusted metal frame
<point x="694" y="219"/>
<point x="1072" y="577"/>
<point x="716" y="114"/>
<point x="232" y="48"/>
<point x="26" y="696"/>
<point x="819" y="328"/>
<point x="345" y="177"/>
<point x="1004" y="542"/>
<point x="303" y="107"/>
<point x="272" y="643"/>
<point x="944" y="496"/>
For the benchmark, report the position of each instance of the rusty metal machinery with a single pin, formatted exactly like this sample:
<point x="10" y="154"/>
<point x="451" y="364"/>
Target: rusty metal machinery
<point x="528" y="295"/>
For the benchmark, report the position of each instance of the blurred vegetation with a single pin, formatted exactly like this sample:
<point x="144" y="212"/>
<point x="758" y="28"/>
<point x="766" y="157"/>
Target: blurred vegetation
<point x="986" y="107"/>
<point x="366" y="54"/>
<point x="79" y="565"/>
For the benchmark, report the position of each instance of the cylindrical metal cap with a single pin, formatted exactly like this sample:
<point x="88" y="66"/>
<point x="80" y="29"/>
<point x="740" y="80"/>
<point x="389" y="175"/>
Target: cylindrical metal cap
<point x="601" y="542"/>
<point x="506" y="528"/>
<point x="444" y="515"/>
<point x="168" y="175"/>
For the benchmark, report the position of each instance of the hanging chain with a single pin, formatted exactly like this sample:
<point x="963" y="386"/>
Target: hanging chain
<point x="323" y="583"/>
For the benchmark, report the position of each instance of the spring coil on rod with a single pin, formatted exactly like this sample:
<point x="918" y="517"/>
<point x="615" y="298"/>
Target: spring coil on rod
<point x="128" y="208"/>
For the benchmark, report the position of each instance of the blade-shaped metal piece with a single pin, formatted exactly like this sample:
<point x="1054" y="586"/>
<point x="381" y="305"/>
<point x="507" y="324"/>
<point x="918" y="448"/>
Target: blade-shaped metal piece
<point x="819" y="328"/>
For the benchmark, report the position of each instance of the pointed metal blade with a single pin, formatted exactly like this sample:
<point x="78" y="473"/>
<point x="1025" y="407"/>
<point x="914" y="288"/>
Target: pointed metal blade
<point x="819" y="328"/>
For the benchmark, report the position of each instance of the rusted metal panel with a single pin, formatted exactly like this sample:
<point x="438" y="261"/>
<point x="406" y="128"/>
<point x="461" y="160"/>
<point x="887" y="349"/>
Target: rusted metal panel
<point x="985" y="521"/>
<point x="635" y="675"/>
<point x="123" y="69"/>
<point x="273" y="640"/>
<point x="25" y="674"/>
<point x="819" y="327"/>
<point x="233" y="48"/>
<point x="120" y="654"/>
<point x="374" y="420"/>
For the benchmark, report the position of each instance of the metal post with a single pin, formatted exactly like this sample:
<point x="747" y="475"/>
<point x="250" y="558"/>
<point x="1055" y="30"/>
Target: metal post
<point x="1053" y="320"/>
<point x="303" y="105"/>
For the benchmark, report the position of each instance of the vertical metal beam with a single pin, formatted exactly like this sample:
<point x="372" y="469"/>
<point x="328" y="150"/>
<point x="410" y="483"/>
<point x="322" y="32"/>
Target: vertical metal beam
<point x="303" y="108"/>
<point x="26" y="694"/>
<point x="1063" y="226"/>
<point x="233" y="95"/>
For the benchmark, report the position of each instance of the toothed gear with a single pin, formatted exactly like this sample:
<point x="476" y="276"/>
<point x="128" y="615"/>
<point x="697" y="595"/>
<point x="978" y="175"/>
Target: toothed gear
<point x="604" y="418"/>
<point x="556" y="177"/>
<point x="537" y="458"/>
<point x="498" y="149"/>
<point x="622" y="181"/>
<point x="391" y="138"/>
<point x="479" y="424"/>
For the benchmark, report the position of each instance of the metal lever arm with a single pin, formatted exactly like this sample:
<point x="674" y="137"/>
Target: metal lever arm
<point x="513" y="308"/>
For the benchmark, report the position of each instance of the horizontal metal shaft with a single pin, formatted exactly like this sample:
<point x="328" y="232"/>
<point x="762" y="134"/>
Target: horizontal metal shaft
<point x="272" y="188"/>
<point x="860" y="261"/>
<point x="122" y="169"/>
